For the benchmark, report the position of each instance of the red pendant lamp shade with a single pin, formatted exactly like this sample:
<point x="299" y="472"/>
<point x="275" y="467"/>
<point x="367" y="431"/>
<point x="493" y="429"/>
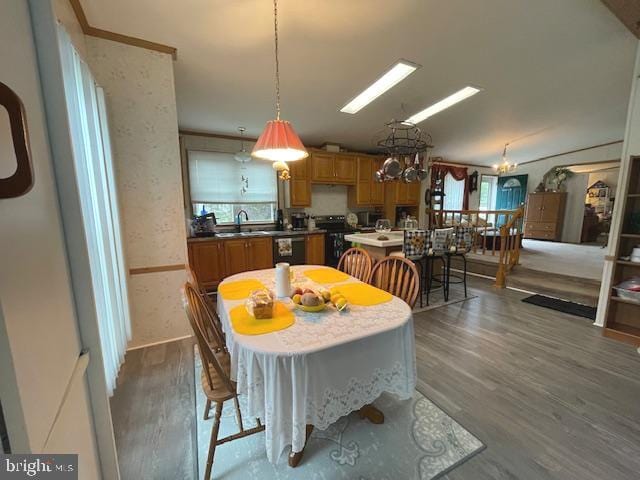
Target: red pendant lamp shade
<point x="279" y="142"/>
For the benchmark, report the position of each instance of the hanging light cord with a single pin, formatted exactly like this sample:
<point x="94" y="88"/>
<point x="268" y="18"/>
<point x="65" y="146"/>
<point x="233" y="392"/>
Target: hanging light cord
<point x="275" y="27"/>
<point x="504" y="153"/>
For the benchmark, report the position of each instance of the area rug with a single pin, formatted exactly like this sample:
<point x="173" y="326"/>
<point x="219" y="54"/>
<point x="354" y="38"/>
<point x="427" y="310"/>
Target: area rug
<point x="417" y="441"/>
<point x="563" y="306"/>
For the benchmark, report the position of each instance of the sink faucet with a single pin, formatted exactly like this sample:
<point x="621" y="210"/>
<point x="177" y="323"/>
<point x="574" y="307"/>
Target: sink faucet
<point x="246" y="217"/>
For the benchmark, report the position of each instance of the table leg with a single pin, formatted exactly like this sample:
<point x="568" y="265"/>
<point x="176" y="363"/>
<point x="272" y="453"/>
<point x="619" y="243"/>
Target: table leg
<point x="372" y="414"/>
<point x="295" y="457"/>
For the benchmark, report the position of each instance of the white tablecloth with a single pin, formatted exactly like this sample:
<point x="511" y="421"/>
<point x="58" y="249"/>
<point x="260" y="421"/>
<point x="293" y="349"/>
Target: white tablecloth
<point x="321" y="368"/>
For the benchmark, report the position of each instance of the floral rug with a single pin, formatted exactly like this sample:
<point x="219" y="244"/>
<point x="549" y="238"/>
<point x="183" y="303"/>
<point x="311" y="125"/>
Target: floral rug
<point x="417" y="441"/>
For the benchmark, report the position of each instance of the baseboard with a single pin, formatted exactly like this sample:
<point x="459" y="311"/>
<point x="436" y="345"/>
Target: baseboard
<point x="177" y="339"/>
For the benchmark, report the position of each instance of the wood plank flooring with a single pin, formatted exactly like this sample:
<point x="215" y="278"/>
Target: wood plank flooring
<point x="153" y="413"/>
<point x="549" y="396"/>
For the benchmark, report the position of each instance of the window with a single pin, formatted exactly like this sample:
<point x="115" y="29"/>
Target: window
<point x="488" y="192"/>
<point x="222" y="185"/>
<point x="453" y="193"/>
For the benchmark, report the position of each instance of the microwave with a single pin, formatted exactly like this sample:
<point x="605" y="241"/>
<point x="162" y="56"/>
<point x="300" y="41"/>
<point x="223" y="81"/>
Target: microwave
<point x="368" y="219"/>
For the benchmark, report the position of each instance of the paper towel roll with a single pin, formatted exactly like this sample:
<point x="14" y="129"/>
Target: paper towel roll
<point x="283" y="280"/>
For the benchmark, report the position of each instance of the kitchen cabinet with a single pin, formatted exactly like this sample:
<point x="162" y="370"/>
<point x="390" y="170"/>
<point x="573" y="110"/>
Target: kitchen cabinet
<point x="333" y="168"/>
<point x="207" y="261"/>
<point x="248" y="254"/>
<point x="314" y="249"/>
<point x="403" y="194"/>
<point x="545" y="215"/>
<point x="300" y="183"/>
<point x="366" y="192"/>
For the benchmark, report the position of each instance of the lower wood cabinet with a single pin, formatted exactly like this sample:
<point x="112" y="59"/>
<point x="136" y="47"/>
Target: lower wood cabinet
<point x="213" y="260"/>
<point x="207" y="261"/>
<point x="314" y="249"/>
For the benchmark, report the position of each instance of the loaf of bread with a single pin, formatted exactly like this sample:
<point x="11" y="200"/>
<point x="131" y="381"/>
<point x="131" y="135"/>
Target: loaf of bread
<point x="260" y="304"/>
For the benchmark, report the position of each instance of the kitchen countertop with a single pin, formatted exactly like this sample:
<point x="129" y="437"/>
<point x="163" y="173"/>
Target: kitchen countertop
<point x="395" y="239"/>
<point x="254" y="234"/>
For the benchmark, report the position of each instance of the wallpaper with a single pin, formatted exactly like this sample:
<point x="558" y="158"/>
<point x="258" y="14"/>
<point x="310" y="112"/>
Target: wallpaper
<point x="139" y="88"/>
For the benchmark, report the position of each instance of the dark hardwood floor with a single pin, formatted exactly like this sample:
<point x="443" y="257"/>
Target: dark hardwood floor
<point x="549" y="396"/>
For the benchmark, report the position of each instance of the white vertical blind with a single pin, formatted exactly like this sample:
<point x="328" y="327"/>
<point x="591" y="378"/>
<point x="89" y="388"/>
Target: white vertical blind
<point x="217" y="177"/>
<point x="453" y="193"/>
<point x="96" y="184"/>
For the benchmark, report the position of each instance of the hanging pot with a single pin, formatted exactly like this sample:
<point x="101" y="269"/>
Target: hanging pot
<point x="392" y="168"/>
<point x="379" y="175"/>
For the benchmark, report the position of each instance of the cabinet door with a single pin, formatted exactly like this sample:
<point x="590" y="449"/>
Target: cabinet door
<point x="322" y="167"/>
<point x="363" y="186"/>
<point x="377" y="188"/>
<point x="345" y="169"/>
<point x="236" y="256"/>
<point x="260" y="253"/>
<point x="299" y="185"/>
<point x="534" y="207"/>
<point x="315" y="249"/>
<point x="550" y="207"/>
<point x="413" y="193"/>
<point x="207" y="261"/>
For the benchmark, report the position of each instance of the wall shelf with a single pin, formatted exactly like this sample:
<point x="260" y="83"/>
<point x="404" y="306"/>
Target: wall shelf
<point x="628" y="263"/>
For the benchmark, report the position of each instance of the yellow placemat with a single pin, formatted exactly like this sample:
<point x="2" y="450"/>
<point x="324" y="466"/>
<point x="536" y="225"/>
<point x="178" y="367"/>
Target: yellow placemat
<point x="240" y="289"/>
<point x="246" y="324"/>
<point x="326" y="275"/>
<point x="364" y="294"/>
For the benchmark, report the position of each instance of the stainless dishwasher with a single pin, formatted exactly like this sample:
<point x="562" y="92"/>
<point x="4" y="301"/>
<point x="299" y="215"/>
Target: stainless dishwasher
<point x="294" y="255"/>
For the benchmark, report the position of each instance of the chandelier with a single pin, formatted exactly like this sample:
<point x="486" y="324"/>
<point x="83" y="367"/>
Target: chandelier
<point x="505" y="166"/>
<point x="405" y="146"/>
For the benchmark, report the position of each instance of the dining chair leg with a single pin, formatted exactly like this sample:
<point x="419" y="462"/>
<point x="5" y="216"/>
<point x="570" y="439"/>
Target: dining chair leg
<point x="214" y="440"/>
<point x="464" y="275"/>
<point x="238" y="413"/>
<point x="207" y="409"/>
<point x="371" y="413"/>
<point x="429" y="277"/>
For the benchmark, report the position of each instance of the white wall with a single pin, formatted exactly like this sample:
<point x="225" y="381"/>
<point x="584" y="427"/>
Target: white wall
<point x="630" y="148"/>
<point x="39" y="336"/>
<point x="139" y="86"/>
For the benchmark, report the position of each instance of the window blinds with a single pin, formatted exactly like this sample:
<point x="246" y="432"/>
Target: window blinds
<point x="218" y="178"/>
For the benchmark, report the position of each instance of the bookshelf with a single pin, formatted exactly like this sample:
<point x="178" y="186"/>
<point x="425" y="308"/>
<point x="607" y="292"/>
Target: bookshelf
<point x="623" y="316"/>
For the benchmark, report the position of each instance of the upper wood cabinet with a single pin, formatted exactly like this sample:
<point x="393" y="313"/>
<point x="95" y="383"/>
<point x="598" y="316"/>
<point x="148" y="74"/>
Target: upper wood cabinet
<point x="314" y="249"/>
<point x="207" y="261"/>
<point x="300" y="183"/>
<point x="403" y="194"/>
<point x="366" y="192"/>
<point x="332" y="168"/>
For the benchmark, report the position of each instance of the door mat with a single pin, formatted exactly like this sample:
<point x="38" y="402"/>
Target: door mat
<point x="563" y="306"/>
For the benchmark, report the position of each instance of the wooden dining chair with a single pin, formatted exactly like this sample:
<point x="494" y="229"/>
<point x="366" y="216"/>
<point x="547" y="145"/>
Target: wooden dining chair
<point x="214" y="326"/>
<point x="357" y="263"/>
<point x="215" y="376"/>
<point x="398" y="276"/>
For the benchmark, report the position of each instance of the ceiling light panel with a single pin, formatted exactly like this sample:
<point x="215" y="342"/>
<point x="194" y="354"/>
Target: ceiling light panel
<point x="392" y="77"/>
<point x="443" y="104"/>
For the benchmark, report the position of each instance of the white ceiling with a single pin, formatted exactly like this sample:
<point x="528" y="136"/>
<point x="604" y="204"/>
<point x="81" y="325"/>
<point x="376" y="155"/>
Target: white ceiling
<point x="556" y="74"/>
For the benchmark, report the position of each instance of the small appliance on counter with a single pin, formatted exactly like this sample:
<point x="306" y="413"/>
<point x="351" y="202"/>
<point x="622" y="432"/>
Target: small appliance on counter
<point x="368" y="219"/>
<point x="204" y="225"/>
<point x="298" y="221"/>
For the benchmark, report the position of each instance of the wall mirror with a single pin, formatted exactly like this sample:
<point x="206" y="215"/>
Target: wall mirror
<point x="16" y="172"/>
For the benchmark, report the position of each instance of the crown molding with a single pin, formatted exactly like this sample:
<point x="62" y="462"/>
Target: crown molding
<point x="91" y="31"/>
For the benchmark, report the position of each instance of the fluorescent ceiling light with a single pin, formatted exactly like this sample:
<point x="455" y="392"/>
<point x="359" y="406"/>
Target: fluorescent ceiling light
<point x="395" y="75"/>
<point x="443" y="104"/>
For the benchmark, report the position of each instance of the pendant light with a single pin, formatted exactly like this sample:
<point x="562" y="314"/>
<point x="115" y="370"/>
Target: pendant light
<point x="278" y="141"/>
<point x="242" y="156"/>
<point x="505" y="166"/>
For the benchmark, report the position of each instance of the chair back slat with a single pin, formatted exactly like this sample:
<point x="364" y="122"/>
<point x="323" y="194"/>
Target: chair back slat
<point x="357" y="263"/>
<point x="213" y="328"/>
<point x="398" y="276"/>
<point x="196" y="312"/>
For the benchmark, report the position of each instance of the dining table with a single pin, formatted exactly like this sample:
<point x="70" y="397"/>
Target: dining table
<point x="322" y="366"/>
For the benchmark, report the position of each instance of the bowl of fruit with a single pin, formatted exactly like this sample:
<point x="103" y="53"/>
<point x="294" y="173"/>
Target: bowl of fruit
<point x="315" y="301"/>
<point x="308" y="300"/>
